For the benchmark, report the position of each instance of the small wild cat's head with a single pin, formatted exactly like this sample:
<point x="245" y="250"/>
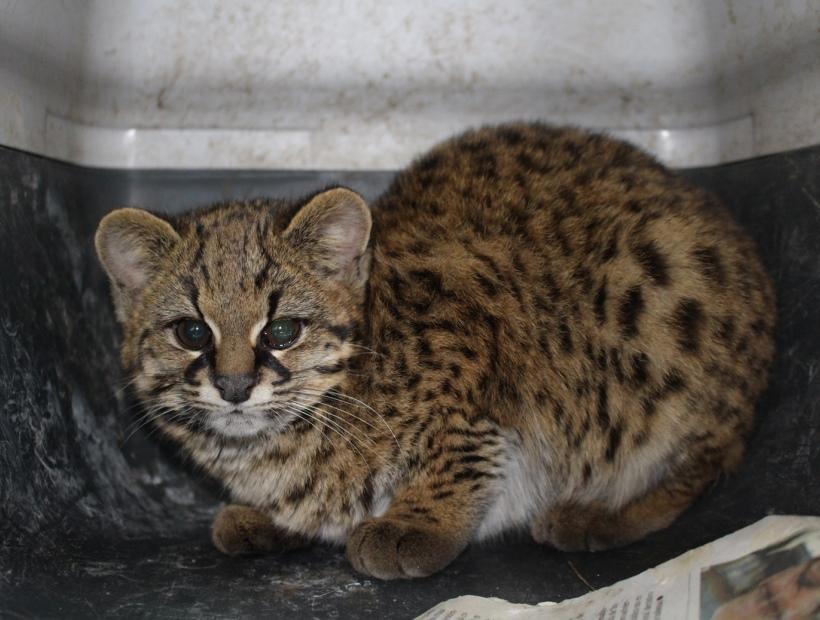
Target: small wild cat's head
<point x="237" y="319"/>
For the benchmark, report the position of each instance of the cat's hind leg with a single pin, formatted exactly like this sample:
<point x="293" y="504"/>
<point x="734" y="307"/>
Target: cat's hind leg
<point x="241" y="530"/>
<point x="592" y="526"/>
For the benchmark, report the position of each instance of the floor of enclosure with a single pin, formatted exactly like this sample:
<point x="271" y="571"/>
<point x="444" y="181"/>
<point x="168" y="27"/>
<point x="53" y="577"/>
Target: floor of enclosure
<point x="93" y="522"/>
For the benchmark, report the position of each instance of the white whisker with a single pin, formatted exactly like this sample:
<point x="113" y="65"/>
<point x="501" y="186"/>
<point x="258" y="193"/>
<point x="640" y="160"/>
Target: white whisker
<point x="370" y="424"/>
<point x="354" y="401"/>
<point x="308" y="412"/>
<point x="335" y="420"/>
<point x="366" y="349"/>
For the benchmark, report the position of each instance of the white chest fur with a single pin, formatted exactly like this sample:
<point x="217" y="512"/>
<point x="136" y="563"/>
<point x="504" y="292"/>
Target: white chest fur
<point x="523" y="488"/>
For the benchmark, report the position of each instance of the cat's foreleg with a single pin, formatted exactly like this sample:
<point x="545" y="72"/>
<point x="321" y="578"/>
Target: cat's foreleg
<point x="241" y="530"/>
<point x="430" y="521"/>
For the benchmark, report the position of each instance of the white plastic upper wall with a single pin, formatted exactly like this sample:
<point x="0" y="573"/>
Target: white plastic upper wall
<point x="369" y="84"/>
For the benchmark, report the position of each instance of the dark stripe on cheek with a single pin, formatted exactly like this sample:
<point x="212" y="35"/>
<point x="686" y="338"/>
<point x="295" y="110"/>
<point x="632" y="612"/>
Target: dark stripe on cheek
<point x="193" y="369"/>
<point x="264" y="358"/>
<point x="342" y="332"/>
<point x="161" y="388"/>
<point x="331" y="370"/>
<point x="210" y="358"/>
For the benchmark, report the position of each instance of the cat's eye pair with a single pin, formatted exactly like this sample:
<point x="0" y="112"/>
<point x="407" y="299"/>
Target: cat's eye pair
<point x="193" y="334"/>
<point x="280" y="333"/>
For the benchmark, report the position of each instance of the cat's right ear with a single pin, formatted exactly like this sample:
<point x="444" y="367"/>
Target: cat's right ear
<point x="131" y="244"/>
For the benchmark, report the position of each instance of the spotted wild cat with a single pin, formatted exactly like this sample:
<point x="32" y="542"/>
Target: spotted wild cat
<point x="535" y="328"/>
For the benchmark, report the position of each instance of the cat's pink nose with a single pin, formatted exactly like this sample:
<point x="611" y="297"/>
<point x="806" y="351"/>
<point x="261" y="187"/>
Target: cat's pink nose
<point x="235" y="388"/>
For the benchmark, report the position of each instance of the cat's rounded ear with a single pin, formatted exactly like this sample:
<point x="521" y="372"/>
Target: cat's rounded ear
<point x="131" y="244"/>
<point x="333" y="230"/>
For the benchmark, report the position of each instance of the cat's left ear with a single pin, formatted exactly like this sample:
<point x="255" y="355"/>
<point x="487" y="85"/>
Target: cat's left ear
<point x="333" y="229"/>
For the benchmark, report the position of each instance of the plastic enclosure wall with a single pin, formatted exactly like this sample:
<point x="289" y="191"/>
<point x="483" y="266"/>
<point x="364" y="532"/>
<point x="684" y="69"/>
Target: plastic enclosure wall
<point x="368" y="85"/>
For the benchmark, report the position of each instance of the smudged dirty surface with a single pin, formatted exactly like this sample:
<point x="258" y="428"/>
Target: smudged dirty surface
<point x="96" y="522"/>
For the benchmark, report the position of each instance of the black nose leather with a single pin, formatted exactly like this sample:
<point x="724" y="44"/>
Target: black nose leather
<point x="235" y="388"/>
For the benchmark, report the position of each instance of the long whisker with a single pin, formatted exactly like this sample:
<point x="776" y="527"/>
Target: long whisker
<point x="140" y="404"/>
<point x="351" y="430"/>
<point x="336" y="420"/>
<point x="366" y="349"/>
<point x="319" y="423"/>
<point x="356" y="401"/>
<point x="145" y="409"/>
<point x="126" y="385"/>
<point x="346" y="412"/>
<point x="341" y="434"/>
<point x="304" y="417"/>
<point x="154" y="409"/>
<point x="150" y="416"/>
<point x="148" y="403"/>
<point x="174" y="417"/>
<point x="326" y="419"/>
<point x="359" y="403"/>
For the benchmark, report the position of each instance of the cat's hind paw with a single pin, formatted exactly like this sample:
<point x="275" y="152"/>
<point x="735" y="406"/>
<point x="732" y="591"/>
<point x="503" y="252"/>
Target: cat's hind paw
<point x="570" y="527"/>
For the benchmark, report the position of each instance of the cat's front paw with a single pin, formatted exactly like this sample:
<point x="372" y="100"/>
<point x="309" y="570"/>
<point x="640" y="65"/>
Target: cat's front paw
<point x="241" y="530"/>
<point x="393" y="549"/>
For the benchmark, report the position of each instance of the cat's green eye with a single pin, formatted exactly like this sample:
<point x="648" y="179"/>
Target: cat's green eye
<point x="280" y="333"/>
<point x="193" y="334"/>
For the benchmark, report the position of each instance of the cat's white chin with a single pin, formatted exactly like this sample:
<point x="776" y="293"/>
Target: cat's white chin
<point x="238" y="425"/>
